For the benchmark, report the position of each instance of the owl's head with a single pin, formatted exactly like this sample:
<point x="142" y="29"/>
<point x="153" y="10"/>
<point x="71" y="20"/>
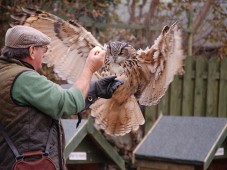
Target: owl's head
<point x="118" y="52"/>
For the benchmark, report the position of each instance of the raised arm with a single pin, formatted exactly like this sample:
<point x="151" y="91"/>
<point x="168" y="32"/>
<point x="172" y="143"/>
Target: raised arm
<point x="93" y="63"/>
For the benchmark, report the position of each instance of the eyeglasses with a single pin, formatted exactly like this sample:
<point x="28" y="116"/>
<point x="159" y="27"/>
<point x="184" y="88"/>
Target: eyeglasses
<point x="44" y="48"/>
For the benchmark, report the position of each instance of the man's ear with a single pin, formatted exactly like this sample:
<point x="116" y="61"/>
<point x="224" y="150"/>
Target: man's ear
<point x="32" y="52"/>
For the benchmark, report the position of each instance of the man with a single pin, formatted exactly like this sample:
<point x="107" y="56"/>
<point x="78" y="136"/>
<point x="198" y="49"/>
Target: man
<point x="31" y="105"/>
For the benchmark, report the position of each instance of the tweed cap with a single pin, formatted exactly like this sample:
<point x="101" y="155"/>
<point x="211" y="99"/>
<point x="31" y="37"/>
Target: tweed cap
<point x="24" y="36"/>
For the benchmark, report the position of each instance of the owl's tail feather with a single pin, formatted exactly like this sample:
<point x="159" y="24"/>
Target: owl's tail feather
<point x="115" y="119"/>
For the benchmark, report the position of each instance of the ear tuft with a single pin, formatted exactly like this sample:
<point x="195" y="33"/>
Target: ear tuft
<point x="165" y="30"/>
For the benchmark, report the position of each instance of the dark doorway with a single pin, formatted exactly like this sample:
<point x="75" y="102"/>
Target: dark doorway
<point x="218" y="164"/>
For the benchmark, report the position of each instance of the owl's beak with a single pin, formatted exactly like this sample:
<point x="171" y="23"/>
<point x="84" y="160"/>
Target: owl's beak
<point x="106" y="55"/>
<point x="115" y="58"/>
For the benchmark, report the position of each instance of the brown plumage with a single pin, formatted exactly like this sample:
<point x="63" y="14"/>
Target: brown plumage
<point x="146" y="73"/>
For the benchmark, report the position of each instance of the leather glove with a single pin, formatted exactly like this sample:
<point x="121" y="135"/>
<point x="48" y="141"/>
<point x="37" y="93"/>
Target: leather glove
<point x="103" y="88"/>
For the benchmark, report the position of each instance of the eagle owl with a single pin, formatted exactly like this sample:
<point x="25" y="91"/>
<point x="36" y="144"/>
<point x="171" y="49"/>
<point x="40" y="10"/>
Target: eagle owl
<point x="146" y="73"/>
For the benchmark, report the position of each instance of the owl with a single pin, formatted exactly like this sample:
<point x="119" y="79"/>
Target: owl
<point x="146" y="73"/>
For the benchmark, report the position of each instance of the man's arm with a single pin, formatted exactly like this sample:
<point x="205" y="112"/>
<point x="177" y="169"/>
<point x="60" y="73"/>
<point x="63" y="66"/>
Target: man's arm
<point x="32" y="89"/>
<point x="93" y="63"/>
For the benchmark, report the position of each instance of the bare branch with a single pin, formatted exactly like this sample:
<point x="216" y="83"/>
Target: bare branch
<point x="132" y="11"/>
<point x="141" y="8"/>
<point x="151" y="11"/>
<point x="202" y="15"/>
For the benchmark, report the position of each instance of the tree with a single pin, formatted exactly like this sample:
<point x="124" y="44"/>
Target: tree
<point x="203" y="22"/>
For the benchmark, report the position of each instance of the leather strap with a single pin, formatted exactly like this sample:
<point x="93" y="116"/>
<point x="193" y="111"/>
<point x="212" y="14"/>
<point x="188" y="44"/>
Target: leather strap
<point x="10" y="143"/>
<point x="47" y="150"/>
<point x="14" y="149"/>
<point x="34" y="153"/>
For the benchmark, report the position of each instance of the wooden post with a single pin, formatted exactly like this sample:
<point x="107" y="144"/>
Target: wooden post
<point x="212" y="88"/>
<point x="188" y="87"/>
<point x="222" y="107"/>
<point x="200" y="86"/>
<point x="190" y="34"/>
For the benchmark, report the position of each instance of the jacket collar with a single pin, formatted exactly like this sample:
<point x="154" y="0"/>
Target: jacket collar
<point x="19" y="62"/>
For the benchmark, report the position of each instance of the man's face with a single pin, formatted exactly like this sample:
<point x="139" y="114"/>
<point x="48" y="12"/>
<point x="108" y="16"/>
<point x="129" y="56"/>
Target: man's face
<point x="39" y="51"/>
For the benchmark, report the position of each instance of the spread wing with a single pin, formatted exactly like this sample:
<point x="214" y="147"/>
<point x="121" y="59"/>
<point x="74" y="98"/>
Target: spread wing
<point x="161" y="63"/>
<point x="70" y="42"/>
<point x="146" y="77"/>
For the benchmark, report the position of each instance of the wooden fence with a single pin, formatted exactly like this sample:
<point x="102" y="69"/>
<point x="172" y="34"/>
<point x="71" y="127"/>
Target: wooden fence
<point x="201" y="91"/>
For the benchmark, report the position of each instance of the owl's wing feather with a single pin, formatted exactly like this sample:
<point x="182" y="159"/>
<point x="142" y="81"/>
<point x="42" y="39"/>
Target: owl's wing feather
<point x="160" y="64"/>
<point x="70" y="42"/>
<point x="117" y="119"/>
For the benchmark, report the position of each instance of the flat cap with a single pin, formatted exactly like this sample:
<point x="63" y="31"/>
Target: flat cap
<point x="24" y="36"/>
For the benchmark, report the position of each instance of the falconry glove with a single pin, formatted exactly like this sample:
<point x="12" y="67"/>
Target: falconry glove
<point x="103" y="88"/>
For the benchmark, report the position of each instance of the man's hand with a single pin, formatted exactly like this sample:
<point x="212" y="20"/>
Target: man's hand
<point x="106" y="86"/>
<point x="103" y="88"/>
<point x="95" y="59"/>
